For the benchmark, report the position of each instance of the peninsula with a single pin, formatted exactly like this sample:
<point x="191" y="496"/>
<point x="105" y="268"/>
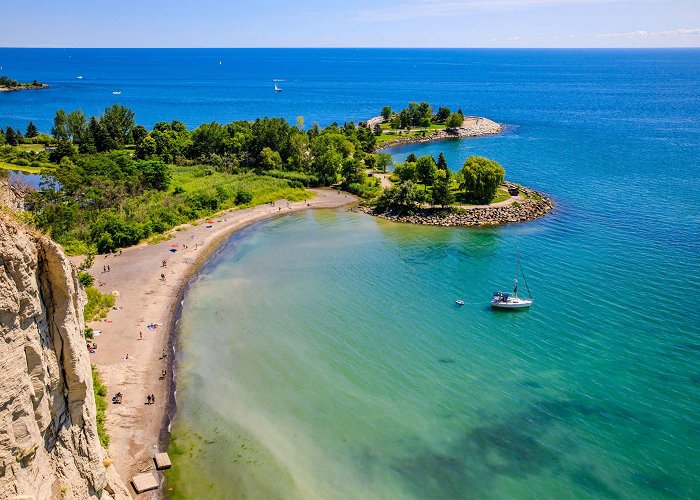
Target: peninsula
<point x="7" y="84"/>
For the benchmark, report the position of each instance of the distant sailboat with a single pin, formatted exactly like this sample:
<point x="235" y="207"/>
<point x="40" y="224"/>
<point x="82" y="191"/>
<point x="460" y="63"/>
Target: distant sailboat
<point x="117" y="92"/>
<point x="505" y="300"/>
<point x="80" y="77"/>
<point x="220" y="63"/>
<point x="277" y="88"/>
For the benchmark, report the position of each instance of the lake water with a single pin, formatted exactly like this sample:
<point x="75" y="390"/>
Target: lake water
<point x="321" y="355"/>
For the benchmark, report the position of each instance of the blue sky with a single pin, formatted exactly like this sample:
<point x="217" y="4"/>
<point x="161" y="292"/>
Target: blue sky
<point x="359" y="23"/>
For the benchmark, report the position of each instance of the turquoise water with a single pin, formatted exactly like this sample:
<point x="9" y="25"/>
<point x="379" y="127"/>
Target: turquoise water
<point x="321" y="355"/>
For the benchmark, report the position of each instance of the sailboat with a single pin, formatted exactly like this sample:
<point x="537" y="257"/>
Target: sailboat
<point x="506" y="300"/>
<point x="277" y="89"/>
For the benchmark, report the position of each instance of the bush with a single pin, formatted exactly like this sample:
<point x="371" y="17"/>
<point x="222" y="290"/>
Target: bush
<point x="98" y="304"/>
<point x="86" y="279"/>
<point x="101" y="404"/>
<point x="243" y="197"/>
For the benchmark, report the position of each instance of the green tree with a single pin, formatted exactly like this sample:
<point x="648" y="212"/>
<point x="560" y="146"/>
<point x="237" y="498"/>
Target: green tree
<point x="370" y="162"/>
<point x="442" y="194"/>
<point x="62" y="150"/>
<point x="352" y="172"/>
<point x="101" y="138"/>
<point x="76" y="125"/>
<point x="59" y="130"/>
<point x="119" y="121"/>
<point x="270" y="160"/>
<point x="481" y="178"/>
<point x="146" y="147"/>
<point x="455" y="120"/>
<point x="411" y="158"/>
<point x="442" y="162"/>
<point x="327" y="165"/>
<point x="139" y="133"/>
<point x="156" y="174"/>
<point x="383" y="161"/>
<point x="377" y="130"/>
<point x="442" y="114"/>
<point x="11" y="137"/>
<point x="426" y="170"/>
<point x="406" y="171"/>
<point x="387" y="112"/>
<point x="31" y="131"/>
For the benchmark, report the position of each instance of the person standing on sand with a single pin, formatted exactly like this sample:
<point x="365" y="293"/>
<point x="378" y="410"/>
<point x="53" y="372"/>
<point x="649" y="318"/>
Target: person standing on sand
<point x="140" y="335"/>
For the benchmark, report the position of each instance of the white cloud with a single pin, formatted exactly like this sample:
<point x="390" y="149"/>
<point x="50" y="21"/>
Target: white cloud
<point x="644" y="34"/>
<point x="402" y="11"/>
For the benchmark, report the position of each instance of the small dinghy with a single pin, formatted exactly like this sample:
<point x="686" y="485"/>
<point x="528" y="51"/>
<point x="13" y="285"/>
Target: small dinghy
<point x="459" y="302"/>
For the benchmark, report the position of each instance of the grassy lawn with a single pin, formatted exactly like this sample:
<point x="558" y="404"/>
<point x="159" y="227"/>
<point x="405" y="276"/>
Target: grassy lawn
<point x="34" y="148"/>
<point x="501" y="195"/>
<point x="27" y="169"/>
<point x="264" y="189"/>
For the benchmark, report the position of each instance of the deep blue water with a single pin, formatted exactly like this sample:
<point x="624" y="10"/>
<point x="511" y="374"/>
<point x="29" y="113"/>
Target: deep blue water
<point x="594" y="392"/>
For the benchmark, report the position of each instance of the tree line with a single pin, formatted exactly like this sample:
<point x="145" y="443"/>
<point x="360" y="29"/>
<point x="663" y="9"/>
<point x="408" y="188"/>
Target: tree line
<point x="421" y="115"/>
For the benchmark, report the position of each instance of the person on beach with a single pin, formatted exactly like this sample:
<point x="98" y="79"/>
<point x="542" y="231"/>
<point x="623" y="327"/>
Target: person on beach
<point x="108" y="269"/>
<point x="162" y="277"/>
<point x="140" y="335"/>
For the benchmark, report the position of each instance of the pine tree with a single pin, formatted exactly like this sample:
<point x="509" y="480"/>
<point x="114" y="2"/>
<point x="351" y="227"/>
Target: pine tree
<point x="441" y="162"/>
<point x="31" y="130"/>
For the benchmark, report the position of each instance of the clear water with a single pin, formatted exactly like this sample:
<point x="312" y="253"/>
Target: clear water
<point x="321" y="355"/>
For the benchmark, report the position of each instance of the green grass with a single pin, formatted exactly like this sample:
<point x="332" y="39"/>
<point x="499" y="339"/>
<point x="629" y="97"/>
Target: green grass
<point x="34" y="148"/>
<point x="263" y="188"/>
<point x="501" y="195"/>
<point x="98" y="304"/>
<point x="101" y="405"/>
<point x="27" y="169"/>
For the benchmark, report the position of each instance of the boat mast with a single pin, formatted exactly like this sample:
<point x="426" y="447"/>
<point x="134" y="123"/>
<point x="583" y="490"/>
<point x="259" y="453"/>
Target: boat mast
<point x="515" y="290"/>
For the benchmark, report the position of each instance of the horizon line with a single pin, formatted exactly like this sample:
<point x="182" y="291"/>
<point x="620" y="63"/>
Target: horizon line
<point x="353" y="48"/>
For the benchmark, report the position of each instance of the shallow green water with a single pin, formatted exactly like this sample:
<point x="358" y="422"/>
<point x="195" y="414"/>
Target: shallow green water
<point x="321" y="355"/>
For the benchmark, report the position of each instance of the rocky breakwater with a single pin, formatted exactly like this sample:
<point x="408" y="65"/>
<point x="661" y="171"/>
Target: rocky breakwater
<point x="529" y="205"/>
<point x="49" y="446"/>
<point x="473" y="126"/>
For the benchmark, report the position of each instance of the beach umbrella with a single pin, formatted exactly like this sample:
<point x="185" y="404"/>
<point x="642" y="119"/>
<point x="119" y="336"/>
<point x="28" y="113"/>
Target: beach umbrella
<point x="115" y="293"/>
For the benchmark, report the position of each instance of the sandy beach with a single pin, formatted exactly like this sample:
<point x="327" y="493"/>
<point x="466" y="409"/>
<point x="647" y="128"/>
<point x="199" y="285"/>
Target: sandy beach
<point x="130" y="354"/>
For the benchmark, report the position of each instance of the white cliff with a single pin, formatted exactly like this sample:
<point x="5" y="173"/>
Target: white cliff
<point x="49" y="446"/>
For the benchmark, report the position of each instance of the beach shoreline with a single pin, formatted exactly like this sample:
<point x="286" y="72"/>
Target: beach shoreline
<point x="141" y="327"/>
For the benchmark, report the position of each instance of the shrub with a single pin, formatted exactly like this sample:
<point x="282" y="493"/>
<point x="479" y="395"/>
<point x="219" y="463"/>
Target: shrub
<point x="101" y="404"/>
<point x="86" y="279"/>
<point x="98" y="304"/>
<point x="243" y="197"/>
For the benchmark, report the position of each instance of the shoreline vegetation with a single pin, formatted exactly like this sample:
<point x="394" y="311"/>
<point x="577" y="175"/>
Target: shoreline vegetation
<point x="9" y="85"/>
<point x="156" y="203"/>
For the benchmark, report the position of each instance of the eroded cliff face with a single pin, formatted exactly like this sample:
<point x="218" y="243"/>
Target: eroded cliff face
<point x="48" y="434"/>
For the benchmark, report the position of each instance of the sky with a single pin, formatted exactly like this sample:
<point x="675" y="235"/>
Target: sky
<point x="350" y="23"/>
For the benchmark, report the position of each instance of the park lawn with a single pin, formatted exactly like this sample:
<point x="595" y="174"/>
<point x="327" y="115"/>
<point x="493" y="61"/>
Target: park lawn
<point x="25" y="169"/>
<point x="501" y="195"/>
<point x="263" y="188"/>
<point x="34" y="148"/>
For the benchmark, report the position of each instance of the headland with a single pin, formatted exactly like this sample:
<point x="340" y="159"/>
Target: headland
<point x="524" y="205"/>
<point x="472" y="126"/>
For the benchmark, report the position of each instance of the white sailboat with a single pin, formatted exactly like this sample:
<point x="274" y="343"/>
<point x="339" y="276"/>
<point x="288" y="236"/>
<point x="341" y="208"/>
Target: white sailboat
<point x="507" y="300"/>
<point x="277" y="88"/>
